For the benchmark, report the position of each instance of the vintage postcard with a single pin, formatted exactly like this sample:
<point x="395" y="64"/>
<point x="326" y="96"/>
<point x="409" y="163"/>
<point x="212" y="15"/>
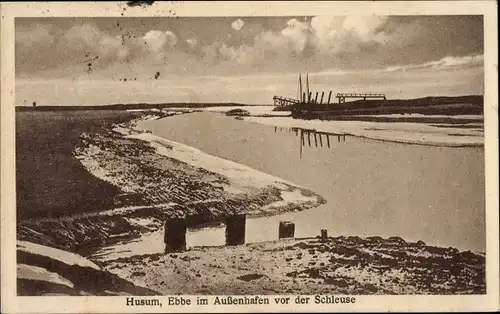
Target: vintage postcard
<point x="249" y="157"/>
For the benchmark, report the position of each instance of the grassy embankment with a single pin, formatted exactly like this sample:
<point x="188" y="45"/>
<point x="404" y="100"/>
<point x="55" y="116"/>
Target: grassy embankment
<point x="51" y="184"/>
<point x="50" y="181"/>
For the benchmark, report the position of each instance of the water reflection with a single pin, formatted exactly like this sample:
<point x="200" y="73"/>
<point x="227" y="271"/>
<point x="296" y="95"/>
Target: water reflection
<point x="429" y="193"/>
<point x="311" y="133"/>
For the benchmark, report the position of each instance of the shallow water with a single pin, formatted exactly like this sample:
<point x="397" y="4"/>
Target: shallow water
<point x="434" y="194"/>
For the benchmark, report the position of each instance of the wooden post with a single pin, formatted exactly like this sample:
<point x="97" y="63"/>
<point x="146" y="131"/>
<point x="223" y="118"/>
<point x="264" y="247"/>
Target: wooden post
<point x="344" y="137"/>
<point x="275" y="129"/>
<point x="303" y="97"/>
<point x="338" y="136"/>
<point x="324" y="234"/>
<point x="235" y="229"/>
<point x="316" y="98"/>
<point x="309" y="97"/>
<point x="320" y="140"/>
<point x="309" y="138"/>
<point x="315" y="140"/>
<point x="175" y="235"/>
<point x="303" y="140"/>
<point x="286" y="229"/>
<point x="328" y="140"/>
<point x="329" y="97"/>
<point x="322" y="94"/>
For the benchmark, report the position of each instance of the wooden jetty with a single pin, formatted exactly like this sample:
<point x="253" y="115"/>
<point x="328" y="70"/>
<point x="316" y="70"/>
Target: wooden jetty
<point x="305" y="99"/>
<point x="284" y="101"/>
<point x="342" y="96"/>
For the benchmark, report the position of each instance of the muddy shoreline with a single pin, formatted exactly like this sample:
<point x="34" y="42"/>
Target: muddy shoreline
<point x="155" y="187"/>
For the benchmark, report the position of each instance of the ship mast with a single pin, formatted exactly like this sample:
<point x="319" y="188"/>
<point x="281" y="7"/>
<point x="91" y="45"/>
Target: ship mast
<point x="307" y="87"/>
<point x="300" y="88"/>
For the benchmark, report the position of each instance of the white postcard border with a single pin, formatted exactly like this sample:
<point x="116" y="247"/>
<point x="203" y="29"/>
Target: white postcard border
<point x="12" y="303"/>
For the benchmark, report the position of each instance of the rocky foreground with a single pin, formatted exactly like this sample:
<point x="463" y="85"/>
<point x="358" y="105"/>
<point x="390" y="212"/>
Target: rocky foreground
<point x="339" y="265"/>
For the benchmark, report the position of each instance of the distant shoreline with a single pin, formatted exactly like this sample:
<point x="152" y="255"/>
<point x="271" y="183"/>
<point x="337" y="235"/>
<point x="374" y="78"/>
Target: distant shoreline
<point x="415" y="105"/>
<point x="131" y="106"/>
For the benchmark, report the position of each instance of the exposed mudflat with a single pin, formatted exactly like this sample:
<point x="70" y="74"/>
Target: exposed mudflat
<point x="161" y="179"/>
<point x="338" y="265"/>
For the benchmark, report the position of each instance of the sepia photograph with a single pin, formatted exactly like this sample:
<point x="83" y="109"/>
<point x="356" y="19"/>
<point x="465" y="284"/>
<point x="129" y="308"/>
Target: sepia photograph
<point x="330" y="155"/>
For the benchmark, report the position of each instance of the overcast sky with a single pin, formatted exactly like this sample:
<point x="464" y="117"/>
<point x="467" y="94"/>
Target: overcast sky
<point x="114" y="49"/>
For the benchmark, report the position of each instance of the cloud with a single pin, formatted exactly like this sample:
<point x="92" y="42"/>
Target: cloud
<point x="366" y="28"/>
<point x="300" y="41"/>
<point x="157" y="41"/>
<point x="449" y="62"/>
<point x="348" y="34"/>
<point x="264" y="44"/>
<point x="37" y="34"/>
<point x="89" y="39"/>
<point x="297" y="34"/>
<point x="192" y="42"/>
<point x="237" y="24"/>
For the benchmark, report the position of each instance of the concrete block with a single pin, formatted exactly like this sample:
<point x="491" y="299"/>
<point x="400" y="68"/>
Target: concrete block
<point x="286" y="229"/>
<point x="175" y="235"/>
<point x="235" y="229"/>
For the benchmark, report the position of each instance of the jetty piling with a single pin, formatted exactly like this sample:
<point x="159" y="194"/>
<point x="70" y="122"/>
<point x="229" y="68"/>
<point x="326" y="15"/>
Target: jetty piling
<point x="175" y="235"/>
<point x="301" y="143"/>
<point x="324" y="234"/>
<point x="286" y="229"/>
<point x="235" y="229"/>
<point x="316" y="134"/>
<point x="322" y="94"/>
